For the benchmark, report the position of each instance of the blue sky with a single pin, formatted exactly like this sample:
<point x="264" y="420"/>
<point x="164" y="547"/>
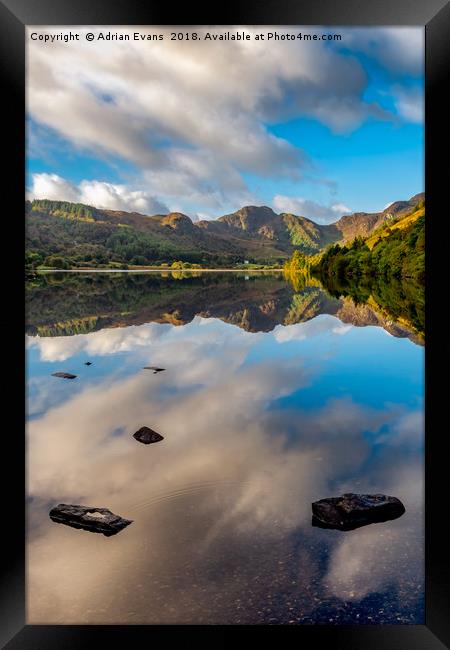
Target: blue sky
<point x="319" y="129"/>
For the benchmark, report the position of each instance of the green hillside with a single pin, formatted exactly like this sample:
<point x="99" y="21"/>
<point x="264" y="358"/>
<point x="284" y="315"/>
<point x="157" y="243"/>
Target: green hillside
<point x="63" y="235"/>
<point x="396" y="250"/>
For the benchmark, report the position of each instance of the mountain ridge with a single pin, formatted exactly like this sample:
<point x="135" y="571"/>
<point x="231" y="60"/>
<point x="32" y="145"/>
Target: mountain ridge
<point x="81" y="233"/>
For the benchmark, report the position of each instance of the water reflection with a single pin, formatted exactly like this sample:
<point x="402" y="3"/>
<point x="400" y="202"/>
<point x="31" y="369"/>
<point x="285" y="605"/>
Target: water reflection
<point x="70" y="304"/>
<point x="256" y="426"/>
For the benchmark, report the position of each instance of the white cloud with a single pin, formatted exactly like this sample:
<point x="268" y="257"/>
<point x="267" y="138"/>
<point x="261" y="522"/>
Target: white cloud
<point x="192" y="116"/>
<point x="159" y="94"/>
<point x="97" y="193"/>
<point x="398" y="49"/>
<point x="409" y="103"/>
<point x="310" y="209"/>
<point x="53" y="187"/>
<point x="197" y="177"/>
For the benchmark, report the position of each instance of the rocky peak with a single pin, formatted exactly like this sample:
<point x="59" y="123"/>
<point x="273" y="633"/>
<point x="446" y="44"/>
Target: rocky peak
<point x="177" y="221"/>
<point x="250" y="218"/>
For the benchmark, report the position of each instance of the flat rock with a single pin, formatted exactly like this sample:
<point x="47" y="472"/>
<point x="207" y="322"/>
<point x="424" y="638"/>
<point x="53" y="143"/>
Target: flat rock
<point x="95" y="520"/>
<point x="146" y="436"/>
<point x="64" y="375"/>
<point x="154" y="368"/>
<point x="351" y="511"/>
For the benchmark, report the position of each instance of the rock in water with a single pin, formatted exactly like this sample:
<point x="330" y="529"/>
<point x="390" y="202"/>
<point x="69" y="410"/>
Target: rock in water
<point x="88" y="363"/>
<point x="64" y="375"/>
<point x="95" y="520"/>
<point x="146" y="436"/>
<point x="351" y="511"/>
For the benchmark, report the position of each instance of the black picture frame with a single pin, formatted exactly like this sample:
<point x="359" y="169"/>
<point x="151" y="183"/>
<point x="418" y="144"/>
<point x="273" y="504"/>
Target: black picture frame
<point x="435" y="16"/>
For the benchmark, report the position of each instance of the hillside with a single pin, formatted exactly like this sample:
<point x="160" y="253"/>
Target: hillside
<point x="65" y="235"/>
<point x="394" y="250"/>
<point x="362" y="224"/>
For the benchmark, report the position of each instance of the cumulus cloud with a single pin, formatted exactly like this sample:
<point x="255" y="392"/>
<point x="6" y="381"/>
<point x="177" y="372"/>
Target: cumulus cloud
<point x="192" y="117"/>
<point x="197" y="177"/>
<point x="213" y="95"/>
<point x="165" y="108"/>
<point x="53" y="187"/>
<point x="97" y="193"/>
<point x="310" y="209"/>
<point x="398" y="49"/>
<point x="409" y="103"/>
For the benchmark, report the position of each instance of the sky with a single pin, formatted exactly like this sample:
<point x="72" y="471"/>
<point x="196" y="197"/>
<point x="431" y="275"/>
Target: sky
<point x="317" y="128"/>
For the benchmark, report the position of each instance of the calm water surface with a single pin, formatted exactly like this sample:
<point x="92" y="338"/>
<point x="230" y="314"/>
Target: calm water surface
<point x="272" y="398"/>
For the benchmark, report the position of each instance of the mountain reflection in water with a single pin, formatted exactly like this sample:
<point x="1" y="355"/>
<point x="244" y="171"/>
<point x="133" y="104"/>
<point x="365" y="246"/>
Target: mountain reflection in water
<point x="273" y="397"/>
<point x="67" y="304"/>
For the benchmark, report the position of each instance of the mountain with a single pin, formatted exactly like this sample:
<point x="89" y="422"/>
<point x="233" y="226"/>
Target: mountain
<point x="285" y="231"/>
<point x="362" y="224"/>
<point x="292" y="230"/>
<point x="62" y="235"/>
<point x="394" y="249"/>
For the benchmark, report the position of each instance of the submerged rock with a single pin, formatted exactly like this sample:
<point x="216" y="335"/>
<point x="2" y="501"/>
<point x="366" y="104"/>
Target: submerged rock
<point x="95" y="520"/>
<point x="154" y="368"/>
<point x="146" y="436"/>
<point x="64" y="375"/>
<point x="351" y="511"/>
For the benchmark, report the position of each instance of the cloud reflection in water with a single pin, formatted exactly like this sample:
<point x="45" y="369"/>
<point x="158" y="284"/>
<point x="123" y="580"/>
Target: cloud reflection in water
<point x="222" y="506"/>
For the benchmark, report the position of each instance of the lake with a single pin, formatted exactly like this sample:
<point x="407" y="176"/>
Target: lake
<point x="276" y="392"/>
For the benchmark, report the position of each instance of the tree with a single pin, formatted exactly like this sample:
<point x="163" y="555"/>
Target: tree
<point x="56" y="262"/>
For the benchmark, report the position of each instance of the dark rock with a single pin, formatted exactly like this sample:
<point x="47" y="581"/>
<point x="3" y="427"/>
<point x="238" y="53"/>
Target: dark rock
<point x="95" y="520"/>
<point x="88" y="363"/>
<point x="155" y="370"/>
<point x="351" y="511"/>
<point x="146" y="436"/>
<point x="64" y="375"/>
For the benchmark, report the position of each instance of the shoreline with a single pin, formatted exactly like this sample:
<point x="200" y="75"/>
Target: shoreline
<point x="168" y="270"/>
